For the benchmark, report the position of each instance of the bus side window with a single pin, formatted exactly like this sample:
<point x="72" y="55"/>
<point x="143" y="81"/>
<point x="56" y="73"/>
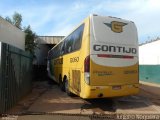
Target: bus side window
<point x="73" y="41"/>
<point x="69" y="49"/>
<point x="61" y="48"/>
<point x="69" y="43"/>
<point x="76" y="43"/>
<point x="55" y="52"/>
<point x="64" y="47"/>
<point x="78" y="37"/>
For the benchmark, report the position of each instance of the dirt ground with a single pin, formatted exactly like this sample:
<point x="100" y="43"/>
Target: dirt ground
<point x="48" y="102"/>
<point x="46" y="98"/>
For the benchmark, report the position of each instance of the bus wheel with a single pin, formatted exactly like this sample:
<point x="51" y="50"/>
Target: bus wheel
<point x="66" y="88"/>
<point x="61" y="84"/>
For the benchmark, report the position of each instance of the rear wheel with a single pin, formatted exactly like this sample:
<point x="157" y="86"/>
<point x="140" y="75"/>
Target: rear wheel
<point x="61" y="84"/>
<point x="66" y="86"/>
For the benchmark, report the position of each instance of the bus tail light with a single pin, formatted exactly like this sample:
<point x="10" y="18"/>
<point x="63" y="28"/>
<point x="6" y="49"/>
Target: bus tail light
<point x="87" y="69"/>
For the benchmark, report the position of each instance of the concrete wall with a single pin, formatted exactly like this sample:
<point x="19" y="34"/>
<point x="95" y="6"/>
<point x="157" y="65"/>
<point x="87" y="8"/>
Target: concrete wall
<point x="11" y="35"/>
<point x="149" y="60"/>
<point x="149" y="53"/>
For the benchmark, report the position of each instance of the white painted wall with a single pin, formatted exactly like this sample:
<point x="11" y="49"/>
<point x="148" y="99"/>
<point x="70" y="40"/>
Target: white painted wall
<point x="149" y="53"/>
<point x="11" y="35"/>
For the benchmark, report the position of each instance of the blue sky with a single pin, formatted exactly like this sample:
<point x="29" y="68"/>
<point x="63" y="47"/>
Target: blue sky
<point x="59" y="17"/>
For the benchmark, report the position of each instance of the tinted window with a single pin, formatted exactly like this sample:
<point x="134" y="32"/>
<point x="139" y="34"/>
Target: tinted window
<point x="70" y="44"/>
<point x="56" y="51"/>
<point x="73" y="41"/>
<point x="78" y="38"/>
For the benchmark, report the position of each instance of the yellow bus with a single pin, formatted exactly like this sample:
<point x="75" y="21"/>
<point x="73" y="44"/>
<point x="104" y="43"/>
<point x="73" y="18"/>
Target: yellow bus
<point x="98" y="59"/>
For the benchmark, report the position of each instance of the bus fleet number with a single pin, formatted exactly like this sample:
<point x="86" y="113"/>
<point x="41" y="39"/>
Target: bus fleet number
<point x="74" y="59"/>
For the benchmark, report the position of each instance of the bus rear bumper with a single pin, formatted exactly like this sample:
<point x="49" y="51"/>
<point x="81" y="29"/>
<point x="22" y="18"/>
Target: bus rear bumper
<point x="110" y="91"/>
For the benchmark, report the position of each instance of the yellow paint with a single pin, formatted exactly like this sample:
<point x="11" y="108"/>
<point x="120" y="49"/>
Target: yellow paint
<point x="107" y="91"/>
<point x="104" y="75"/>
<point x="103" y="84"/>
<point x="102" y="78"/>
<point x="67" y="67"/>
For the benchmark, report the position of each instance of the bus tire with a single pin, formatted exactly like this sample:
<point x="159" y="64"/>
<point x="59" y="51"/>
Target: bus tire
<point x="61" y="84"/>
<point x="67" y="88"/>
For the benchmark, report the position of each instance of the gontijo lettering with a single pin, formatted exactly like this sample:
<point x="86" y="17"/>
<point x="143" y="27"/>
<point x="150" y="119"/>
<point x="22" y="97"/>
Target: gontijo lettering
<point x="119" y="49"/>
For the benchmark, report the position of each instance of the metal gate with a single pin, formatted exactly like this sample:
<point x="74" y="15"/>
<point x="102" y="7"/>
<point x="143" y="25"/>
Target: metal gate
<point x="15" y="75"/>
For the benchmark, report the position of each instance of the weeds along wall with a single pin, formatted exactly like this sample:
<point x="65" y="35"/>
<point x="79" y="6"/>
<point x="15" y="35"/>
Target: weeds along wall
<point x="15" y="75"/>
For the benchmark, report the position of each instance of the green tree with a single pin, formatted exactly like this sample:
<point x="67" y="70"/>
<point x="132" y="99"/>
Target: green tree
<point x="30" y="45"/>
<point x="30" y="36"/>
<point x="17" y="19"/>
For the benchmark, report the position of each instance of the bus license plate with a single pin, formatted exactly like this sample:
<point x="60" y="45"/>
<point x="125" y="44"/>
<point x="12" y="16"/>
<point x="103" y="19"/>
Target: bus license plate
<point x="116" y="87"/>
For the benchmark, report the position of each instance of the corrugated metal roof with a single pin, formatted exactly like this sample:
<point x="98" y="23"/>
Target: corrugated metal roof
<point x="48" y="39"/>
